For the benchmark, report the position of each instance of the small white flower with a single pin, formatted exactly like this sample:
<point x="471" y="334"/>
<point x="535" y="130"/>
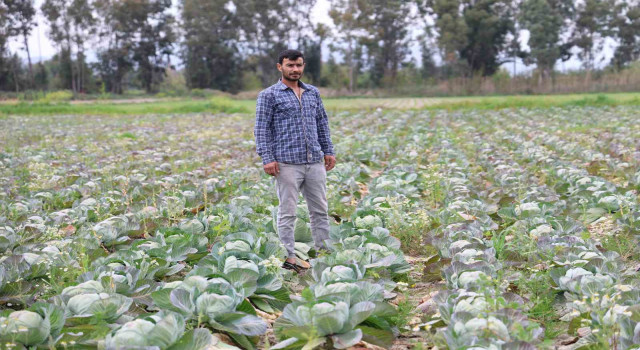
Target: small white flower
<point x="623" y="287"/>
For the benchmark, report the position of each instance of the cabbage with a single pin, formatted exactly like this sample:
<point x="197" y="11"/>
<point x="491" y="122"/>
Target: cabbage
<point x="237" y="245"/>
<point x="25" y="327"/>
<point x="368" y="222"/>
<point x="472" y="305"/>
<point x="161" y="330"/>
<point x="481" y="327"/>
<point x="311" y="323"/>
<point x="8" y="238"/>
<point x="541" y="230"/>
<point x="103" y="306"/>
<point x="212" y="300"/>
<point x="192" y="226"/>
<point x="468" y="279"/>
<point x="339" y="273"/>
<point x="527" y="209"/>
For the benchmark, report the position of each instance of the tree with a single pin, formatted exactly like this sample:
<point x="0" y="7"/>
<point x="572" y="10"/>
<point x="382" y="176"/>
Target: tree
<point x="590" y="29"/>
<point x="137" y="34"/>
<point x="266" y="28"/>
<point x="451" y="27"/>
<point x="313" y="58"/>
<point x="388" y="41"/>
<point x="474" y="31"/>
<point x="348" y="17"/>
<point x="12" y="74"/>
<point x="21" y="15"/>
<point x="210" y="47"/>
<point x="429" y="69"/>
<point x="626" y="26"/>
<point x="7" y="71"/>
<point x="71" y="25"/>
<point x="488" y="23"/>
<point x="546" y="20"/>
<point x="41" y="77"/>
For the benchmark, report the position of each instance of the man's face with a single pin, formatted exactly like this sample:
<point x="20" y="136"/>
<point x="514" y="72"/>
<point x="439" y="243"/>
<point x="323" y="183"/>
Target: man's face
<point x="292" y="69"/>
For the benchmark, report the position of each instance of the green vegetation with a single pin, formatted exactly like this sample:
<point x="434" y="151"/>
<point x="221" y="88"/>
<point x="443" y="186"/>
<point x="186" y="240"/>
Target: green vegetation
<point x="512" y="228"/>
<point x="219" y="104"/>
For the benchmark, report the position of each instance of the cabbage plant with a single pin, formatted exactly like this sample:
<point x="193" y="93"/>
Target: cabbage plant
<point x="89" y="300"/>
<point x="39" y="324"/>
<point x="307" y="324"/>
<point x="211" y="300"/>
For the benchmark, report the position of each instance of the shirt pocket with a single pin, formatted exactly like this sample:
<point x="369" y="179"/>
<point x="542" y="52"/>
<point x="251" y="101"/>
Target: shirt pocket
<point x="287" y="109"/>
<point x="312" y="107"/>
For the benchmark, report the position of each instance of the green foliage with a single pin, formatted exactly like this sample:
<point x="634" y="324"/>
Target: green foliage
<point x="57" y="96"/>
<point x="211" y="46"/>
<point x="626" y="24"/>
<point x="545" y="21"/>
<point x="592" y="18"/>
<point x="142" y="35"/>
<point x="220" y="104"/>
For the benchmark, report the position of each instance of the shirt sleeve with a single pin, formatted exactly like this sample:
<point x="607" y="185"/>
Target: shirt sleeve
<point x="322" y="121"/>
<point x="263" y="130"/>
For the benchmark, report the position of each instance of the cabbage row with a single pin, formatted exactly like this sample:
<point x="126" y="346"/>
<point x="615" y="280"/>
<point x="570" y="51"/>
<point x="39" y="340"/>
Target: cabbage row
<point x="600" y="293"/>
<point x="476" y="307"/>
<point x="350" y="287"/>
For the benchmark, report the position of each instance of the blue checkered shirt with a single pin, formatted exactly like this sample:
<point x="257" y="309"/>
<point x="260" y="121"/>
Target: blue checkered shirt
<point x="289" y="131"/>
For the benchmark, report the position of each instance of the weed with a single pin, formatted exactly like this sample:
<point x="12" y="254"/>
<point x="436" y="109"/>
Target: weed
<point x="538" y="288"/>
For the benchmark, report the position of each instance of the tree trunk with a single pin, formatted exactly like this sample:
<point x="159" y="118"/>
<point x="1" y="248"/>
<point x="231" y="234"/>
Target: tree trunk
<point x="80" y="62"/>
<point x="26" y="46"/>
<point x="350" y="62"/>
<point x="15" y="79"/>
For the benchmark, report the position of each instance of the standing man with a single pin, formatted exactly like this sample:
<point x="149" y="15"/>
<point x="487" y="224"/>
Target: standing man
<point x="293" y="140"/>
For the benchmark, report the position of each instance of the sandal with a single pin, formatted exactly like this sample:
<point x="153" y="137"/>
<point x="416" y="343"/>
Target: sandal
<point x="289" y="266"/>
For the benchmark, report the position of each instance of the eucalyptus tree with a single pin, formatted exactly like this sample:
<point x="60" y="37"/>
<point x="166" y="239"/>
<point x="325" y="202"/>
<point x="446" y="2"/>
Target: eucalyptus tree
<point x="21" y="21"/>
<point x="72" y="24"/>
<point x="388" y="43"/>
<point x="626" y="29"/>
<point x="591" y="27"/>
<point x="210" y="49"/>
<point x="265" y="29"/>
<point x="546" y="21"/>
<point x="136" y="34"/>
<point x="349" y="32"/>
<point x="473" y="31"/>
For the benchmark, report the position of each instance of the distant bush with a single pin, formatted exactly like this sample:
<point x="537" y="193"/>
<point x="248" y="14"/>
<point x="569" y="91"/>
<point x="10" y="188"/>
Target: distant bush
<point x="222" y="104"/>
<point x="57" y="96"/>
<point x="173" y="85"/>
<point x="203" y="92"/>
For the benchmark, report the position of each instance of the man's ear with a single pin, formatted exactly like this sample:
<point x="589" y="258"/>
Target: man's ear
<point x="279" y="66"/>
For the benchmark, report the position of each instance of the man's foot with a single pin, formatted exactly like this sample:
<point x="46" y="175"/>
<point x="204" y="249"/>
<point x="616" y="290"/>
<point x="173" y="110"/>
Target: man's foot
<point x="293" y="267"/>
<point x="295" y="264"/>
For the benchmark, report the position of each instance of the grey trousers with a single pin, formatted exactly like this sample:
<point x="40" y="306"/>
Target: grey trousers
<point x="311" y="179"/>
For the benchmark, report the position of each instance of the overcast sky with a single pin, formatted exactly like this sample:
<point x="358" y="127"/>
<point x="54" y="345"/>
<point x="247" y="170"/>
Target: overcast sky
<point x="42" y="49"/>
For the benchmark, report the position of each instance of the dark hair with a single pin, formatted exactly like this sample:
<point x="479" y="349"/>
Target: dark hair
<point x="290" y="55"/>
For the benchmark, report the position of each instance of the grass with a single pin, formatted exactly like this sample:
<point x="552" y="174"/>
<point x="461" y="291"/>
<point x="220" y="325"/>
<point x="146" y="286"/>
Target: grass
<point x="214" y="105"/>
<point x="542" y="296"/>
<point x="624" y="243"/>
<point x="226" y="105"/>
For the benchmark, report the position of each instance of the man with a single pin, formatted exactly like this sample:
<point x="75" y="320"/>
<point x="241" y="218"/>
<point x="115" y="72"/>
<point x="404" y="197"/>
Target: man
<point x="292" y="138"/>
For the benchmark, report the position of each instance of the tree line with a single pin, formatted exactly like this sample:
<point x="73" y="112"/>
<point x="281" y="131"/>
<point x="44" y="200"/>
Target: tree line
<point x="231" y="45"/>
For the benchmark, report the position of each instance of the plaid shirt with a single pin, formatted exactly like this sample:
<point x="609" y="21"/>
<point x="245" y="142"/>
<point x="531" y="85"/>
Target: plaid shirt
<point x="289" y="130"/>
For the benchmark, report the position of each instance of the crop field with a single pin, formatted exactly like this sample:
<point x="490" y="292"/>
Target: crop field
<point x="477" y="228"/>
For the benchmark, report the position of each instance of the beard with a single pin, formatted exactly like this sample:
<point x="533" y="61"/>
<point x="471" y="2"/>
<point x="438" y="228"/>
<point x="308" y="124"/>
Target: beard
<point x="291" y="77"/>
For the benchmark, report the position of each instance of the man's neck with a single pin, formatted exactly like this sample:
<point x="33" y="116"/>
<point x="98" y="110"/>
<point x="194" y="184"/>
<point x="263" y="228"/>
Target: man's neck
<point x="292" y="84"/>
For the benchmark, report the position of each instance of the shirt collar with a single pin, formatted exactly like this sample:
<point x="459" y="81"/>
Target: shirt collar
<point x="282" y="86"/>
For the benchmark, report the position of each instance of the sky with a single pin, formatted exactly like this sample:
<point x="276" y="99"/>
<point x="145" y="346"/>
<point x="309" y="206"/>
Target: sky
<point x="42" y="48"/>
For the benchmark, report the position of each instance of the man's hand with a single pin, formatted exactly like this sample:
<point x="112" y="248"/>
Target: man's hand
<point x="329" y="162"/>
<point x="272" y="168"/>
